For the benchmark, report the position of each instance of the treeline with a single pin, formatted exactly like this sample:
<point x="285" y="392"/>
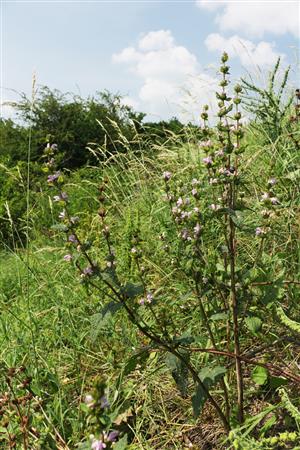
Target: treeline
<point x="79" y="126"/>
<point x="86" y="130"/>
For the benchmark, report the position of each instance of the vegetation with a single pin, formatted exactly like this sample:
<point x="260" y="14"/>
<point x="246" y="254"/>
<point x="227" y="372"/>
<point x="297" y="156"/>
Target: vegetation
<point x="149" y="286"/>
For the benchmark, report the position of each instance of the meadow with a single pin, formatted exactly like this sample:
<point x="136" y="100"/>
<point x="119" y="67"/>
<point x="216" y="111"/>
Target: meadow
<point x="150" y="296"/>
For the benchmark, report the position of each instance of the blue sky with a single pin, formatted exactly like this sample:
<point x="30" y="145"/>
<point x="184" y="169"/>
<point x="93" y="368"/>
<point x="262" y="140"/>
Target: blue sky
<point x="162" y="56"/>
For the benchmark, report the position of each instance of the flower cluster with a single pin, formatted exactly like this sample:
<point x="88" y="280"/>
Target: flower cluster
<point x="269" y="201"/>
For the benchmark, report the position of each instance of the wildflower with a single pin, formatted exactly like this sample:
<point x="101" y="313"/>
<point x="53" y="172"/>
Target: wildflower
<point x="185" y="235"/>
<point x="219" y="153"/>
<point x="62" y="197"/>
<point x="112" y="437"/>
<point x="259" y="231"/>
<point x="104" y="402"/>
<point x="50" y="162"/>
<point x="194" y="192"/>
<point x="62" y="215"/>
<point x="167" y="176"/>
<point x="207" y="143"/>
<point x="87" y="271"/>
<point x="72" y="238"/>
<point x="214" y="207"/>
<point x="89" y="400"/>
<point x="142" y="301"/>
<point x="98" y="445"/>
<point x="195" y="182"/>
<point x="54" y="177"/>
<point x="207" y="161"/>
<point x="68" y="257"/>
<point x="54" y="147"/>
<point x="265" y="197"/>
<point x="274" y="200"/>
<point x="133" y="250"/>
<point x="272" y="181"/>
<point x="74" y="220"/>
<point x="197" y="230"/>
<point x="196" y="210"/>
<point x="149" y="297"/>
<point x="213" y="181"/>
<point x="179" y="202"/>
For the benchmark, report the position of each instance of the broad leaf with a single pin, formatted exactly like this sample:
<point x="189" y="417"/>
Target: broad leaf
<point x="121" y="444"/>
<point x="209" y="377"/>
<point x="259" y="375"/>
<point x="179" y="372"/>
<point x="131" y="290"/>
<point x="253" y="324"/>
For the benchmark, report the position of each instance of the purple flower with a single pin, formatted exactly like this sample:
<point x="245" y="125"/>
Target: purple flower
<point x="54" y="177"/>
<point x="142" y="301"/>
<point x="68" y="257"/>
<point x="207" y="161"/>
<point x="98" y="445"/>
<point x="149" y="297"/>
<point x="274" y="200"/>
<point x="207" y="143"/>
<point x="197" y="230"/>
<point x="185" y="235"/>
<point x="194" y="192"/>
<point x="259" y="231"/>
<point x="62" y="197"/>
<point x="112" y="437"/>
<point x="272" y="181"/>
<point x="219" y="153"/>
<point x="167" y="176"/>
<point x="133" y="250"/>
<point x="265" y="197"/>
<point x="72" y="238"/>
<point x="104" y="402"/>
<point x="87" y="271"/>
<point x="54" y="147"/>
<point x="179" y="202"/>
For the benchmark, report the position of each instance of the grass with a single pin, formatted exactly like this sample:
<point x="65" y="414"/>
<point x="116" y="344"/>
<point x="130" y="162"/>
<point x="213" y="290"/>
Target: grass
<point x="50" y="321"/>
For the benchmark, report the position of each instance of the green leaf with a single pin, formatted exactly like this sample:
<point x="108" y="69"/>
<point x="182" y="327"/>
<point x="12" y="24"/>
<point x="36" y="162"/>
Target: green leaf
<point x="98" y="323"/>
<point x="121" y="444"/>
<point x="268" y="425"/>
<point x="209" y="376"/>
<point x="112" y="308"/>
<point x="219" y="316"/>
<point x="137" y="359"/>
<point x="259" y="375"/>
<point x="131" y="290"/>
<point x="253" y="324"/>
<point x="60" y="227"/>
<point x="276" y="382"/>
<point x="291" y="324"/>
<point x="179" y="372"/>
<point x="198" y="400"/>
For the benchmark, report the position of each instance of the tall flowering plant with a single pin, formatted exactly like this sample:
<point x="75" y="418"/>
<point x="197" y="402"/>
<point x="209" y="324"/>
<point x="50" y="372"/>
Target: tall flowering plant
<point x="214" y="213"/>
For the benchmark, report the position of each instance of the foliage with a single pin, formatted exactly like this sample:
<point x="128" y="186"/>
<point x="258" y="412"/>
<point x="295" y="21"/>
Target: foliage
<point x="173" y="266"/>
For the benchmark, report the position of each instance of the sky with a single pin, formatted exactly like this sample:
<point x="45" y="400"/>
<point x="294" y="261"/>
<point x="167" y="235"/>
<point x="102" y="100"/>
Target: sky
<point x="161" y="56"/>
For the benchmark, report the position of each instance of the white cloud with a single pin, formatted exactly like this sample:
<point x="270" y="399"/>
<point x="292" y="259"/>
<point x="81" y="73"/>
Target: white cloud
<point x="261" y="54"/>
<point x="172" y="82"/>
<point x="157" y="40"/>
<point x="256" y="18"/>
